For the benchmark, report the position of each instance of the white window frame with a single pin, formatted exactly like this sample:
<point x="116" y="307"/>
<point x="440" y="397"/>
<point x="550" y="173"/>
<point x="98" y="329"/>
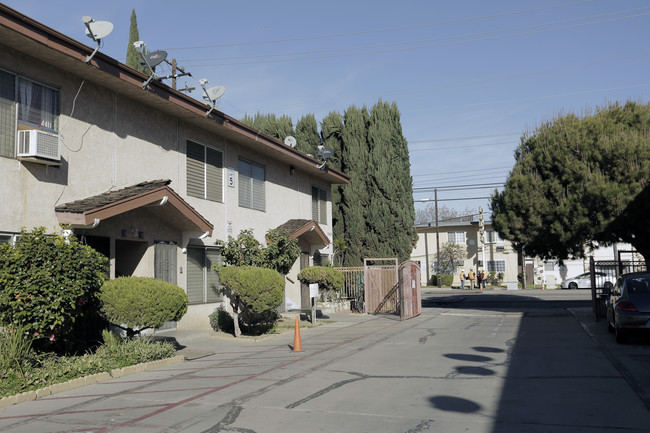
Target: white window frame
<point x="16" y="89"/>
<point x="492" y="237"/>
<point x="209" y="276"/>
<point x="252" y="185"/>
<point x="210" y="173"/>
<point x="496" y="266"/>
<point x="457" y="237"/>
<point x="319" y="204"/>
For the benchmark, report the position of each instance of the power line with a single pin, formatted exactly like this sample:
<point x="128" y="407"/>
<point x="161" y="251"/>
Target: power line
<point x="390" y="29"/>
<point x="429" y="40"/>
<point x="456" y="171"/>
<point x="458" y="186"/>
<point x="433" y="149"/>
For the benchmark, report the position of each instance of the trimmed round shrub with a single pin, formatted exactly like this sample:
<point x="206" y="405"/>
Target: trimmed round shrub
<point x="138" y="303"/>
<point x="327" y="278"/>
<point x="259" y="289"/>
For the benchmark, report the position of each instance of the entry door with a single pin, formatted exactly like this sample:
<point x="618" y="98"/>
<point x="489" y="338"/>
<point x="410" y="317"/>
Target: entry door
<point x="165" y="261"/>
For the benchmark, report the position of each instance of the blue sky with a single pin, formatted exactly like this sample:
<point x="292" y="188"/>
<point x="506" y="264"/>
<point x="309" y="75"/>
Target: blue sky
<point x="469" y="76"/>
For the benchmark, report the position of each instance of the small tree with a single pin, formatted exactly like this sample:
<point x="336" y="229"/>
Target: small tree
<point x="280" y="253"/>
<point x="138" y="303"/>
<point x="450" y="256"/>
<point x="49" y="286"/>
<point x="252" y="290"/>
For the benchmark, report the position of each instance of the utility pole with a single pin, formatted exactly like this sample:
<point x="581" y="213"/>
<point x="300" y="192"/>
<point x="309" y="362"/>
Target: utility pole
<point x="435" y="191"/>
<point x="481" y="234"/>
<point x="174" y="75"/>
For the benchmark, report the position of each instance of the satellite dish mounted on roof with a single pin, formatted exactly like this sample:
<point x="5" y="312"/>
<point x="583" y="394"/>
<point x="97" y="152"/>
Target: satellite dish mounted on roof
<point x="96" y="30"/>
<point x="290" y="141"/>
<point x="324" y="153"/>
<point x="150" y="60"/>
<point x="211" y="95"/>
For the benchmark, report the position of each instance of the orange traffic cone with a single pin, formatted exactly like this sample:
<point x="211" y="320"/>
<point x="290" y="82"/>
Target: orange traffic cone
<point x="297" y="345"/>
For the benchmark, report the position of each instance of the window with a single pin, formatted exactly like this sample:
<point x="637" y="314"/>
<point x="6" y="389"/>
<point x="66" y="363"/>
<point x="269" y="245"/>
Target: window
<point x="7" y="114"/>
<point x="38" y="106"/>
<point x="319" y="205"/>
<point x="456" y="237"/>
<point x="204" y="172"/>
<point x="251" y="185"/>
<point x="202" y="280"/>
<point x="34" y="105"/>
<point x="492" y="237"/>
<point x="496" y="265"/>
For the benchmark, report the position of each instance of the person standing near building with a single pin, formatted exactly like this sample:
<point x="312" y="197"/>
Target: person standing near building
<point x="471" y="277"/>
<point x="462" y="279"/>
<point x="480" y="279"/>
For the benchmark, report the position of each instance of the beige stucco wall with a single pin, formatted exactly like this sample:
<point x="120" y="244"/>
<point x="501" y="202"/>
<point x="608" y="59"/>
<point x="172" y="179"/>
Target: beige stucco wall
<point x="425" y="250"/>
<point x="110" y="142"/>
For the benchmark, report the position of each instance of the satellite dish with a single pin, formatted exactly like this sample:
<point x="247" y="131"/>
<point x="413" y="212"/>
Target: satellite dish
<point x="154" y="58"/>
<point x="97" y="30"/>
<point x="290" y="141"/>
<point x="325" y="153"/>
<point x="214" y="93"/>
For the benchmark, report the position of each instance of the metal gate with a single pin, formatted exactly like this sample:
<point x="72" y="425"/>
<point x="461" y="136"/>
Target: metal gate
<point x="380" y="286"/>
<point x="604" y="275"/>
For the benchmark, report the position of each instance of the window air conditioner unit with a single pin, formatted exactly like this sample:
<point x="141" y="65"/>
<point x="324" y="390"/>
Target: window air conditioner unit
<point x="39" y="146"/>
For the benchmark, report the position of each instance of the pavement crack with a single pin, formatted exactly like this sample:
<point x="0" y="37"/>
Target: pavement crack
<point x="424" y="339"/>
<point x="225" y="424"/>
<point x="424" y="425"/>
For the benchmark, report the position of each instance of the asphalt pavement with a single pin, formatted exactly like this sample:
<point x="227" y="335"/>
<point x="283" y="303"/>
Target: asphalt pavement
<point x="455" y="368"/>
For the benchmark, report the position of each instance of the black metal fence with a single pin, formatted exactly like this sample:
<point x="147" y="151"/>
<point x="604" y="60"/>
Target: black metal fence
<point x="603" y="277"/>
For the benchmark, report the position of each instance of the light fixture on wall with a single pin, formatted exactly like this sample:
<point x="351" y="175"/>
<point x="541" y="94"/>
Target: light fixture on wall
<point x="292" y="170"/>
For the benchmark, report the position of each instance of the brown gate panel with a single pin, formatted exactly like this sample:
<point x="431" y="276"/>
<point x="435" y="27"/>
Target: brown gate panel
<point x="409" y="287"/>
<point x="381" y="286"/>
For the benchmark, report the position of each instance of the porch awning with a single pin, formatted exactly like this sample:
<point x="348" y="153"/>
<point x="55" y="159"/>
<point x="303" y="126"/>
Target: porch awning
<point x="308" y="230"/>
<point x="155" y="195"/>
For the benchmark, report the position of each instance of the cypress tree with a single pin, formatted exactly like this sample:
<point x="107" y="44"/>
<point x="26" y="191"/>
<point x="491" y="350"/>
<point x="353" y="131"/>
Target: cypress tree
<point x="391" y="213"/>
<point x="354" y="196"/>
<point x="331" y="128"/>
<point x="132" y="56"/>
<point x="307" y="136"/>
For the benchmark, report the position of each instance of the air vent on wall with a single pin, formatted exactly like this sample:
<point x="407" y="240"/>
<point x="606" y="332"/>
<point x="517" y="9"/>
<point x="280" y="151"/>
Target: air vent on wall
<point x="39" y="146"/>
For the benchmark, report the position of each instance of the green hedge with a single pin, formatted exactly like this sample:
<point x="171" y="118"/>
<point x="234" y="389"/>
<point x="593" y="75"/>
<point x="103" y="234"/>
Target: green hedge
<point x="445" y="279"/>
<point x="140" y="303"/>
<point x="49" y="286"/>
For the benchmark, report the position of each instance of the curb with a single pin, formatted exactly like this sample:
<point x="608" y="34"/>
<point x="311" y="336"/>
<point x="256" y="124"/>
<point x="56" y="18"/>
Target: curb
<point x="80" y="382"/>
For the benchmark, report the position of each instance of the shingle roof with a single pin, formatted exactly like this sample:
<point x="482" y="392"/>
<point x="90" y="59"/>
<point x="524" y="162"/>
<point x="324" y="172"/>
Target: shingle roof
<point x="89" y="203"/>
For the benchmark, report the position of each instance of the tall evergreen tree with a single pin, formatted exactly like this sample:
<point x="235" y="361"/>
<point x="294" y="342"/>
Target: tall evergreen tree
<point x="331" y="128"/>
<point x="307" y="135"/>
<point x="391" y="213"/>
<point x="354" y="196"/>
<point x="132" y="56"/>
<point x="271" y="125"/>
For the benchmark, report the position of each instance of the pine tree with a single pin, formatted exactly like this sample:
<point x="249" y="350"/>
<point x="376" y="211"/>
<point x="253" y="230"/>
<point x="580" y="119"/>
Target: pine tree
<point x="132" y="56"/>
<point x="579" y="182"/>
